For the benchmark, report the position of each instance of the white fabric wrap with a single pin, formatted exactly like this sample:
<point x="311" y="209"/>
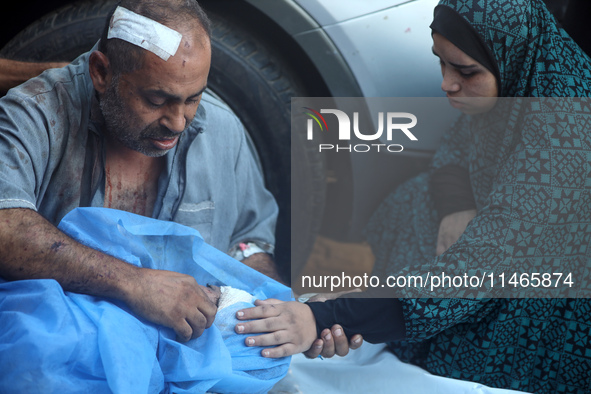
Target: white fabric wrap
<point x="231" y="296"/>
<point x="144" y="32"/>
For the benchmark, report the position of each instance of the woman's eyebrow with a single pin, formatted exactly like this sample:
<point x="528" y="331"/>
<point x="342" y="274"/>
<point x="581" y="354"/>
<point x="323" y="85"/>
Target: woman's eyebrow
<point x="463" y="66"/>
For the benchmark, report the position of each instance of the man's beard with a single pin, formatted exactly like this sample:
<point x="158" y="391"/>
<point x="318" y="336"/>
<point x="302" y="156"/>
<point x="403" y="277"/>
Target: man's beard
<point x="119" y="124"/>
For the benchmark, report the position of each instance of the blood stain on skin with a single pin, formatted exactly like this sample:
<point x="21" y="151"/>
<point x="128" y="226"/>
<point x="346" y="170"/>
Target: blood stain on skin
<point x="56" y="246"/>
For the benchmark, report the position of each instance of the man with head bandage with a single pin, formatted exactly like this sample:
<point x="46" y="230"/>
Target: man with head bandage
<point x="128" y="126"/>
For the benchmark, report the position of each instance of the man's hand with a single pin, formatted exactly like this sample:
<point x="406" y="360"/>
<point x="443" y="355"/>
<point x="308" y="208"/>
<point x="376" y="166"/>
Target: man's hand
<point x="451" y="228"/>
<point x="32" y="248"/>
<point x="173" y="300"/>
<point x="290" y="326"/>
<point x="333" y="342"/>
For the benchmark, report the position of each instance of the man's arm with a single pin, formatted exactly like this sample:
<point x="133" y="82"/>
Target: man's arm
<point x="263" y="262"/>
<point x="32" y="248"/>
<point x="13" y="73"/>
<point x="257" y="217"/>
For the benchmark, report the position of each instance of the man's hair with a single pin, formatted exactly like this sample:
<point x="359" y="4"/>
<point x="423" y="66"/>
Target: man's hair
<point x="125" y="57"/>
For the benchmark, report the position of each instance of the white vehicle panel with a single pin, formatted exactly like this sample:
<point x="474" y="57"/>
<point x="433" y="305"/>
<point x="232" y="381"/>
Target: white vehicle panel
<point x="387" y="48"/>
<point x="328" y="12"/>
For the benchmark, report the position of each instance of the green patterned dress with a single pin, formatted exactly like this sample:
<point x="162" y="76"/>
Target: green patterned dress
<point x="530" y="174"/>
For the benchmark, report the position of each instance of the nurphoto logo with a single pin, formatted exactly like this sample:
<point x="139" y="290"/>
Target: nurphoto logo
<point x="396" y="122"/>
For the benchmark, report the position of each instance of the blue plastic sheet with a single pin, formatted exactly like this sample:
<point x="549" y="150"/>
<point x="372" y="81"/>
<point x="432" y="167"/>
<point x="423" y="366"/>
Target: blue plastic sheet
<point x="51" y="341"/>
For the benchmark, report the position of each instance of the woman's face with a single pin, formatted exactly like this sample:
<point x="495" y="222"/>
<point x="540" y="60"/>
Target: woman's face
<point x="470" y="87"/>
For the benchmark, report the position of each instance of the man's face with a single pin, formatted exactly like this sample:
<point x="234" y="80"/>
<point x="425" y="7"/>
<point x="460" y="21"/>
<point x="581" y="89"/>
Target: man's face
<point x="147" y="110"/>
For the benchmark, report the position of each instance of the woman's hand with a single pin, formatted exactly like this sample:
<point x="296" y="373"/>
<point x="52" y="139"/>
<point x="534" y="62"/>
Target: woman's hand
<point x="451" y="228"/>
<point x="289" y="326"/>
<point x="333" y="342"/>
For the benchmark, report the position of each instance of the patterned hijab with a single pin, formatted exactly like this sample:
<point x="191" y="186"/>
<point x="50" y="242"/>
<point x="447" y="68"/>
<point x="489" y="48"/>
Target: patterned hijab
<point x="529" y="164"/>
<point x="534" y="57"/>
<point x="528" y="159"/>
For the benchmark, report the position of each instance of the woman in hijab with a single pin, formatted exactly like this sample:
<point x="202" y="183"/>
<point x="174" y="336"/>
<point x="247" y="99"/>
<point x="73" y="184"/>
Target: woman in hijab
<point x="509" y="189"/>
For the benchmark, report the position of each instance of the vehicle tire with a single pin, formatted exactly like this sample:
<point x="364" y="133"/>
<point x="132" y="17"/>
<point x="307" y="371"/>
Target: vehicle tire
<point x="255" y="84"/>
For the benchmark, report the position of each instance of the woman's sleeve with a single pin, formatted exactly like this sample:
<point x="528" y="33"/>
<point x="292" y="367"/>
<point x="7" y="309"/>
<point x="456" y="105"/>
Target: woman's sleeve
<point x="449" y="177"/>
<point x="454" y="146"/>
<point x="377" y="319"/>
<point x="451" y="190"/>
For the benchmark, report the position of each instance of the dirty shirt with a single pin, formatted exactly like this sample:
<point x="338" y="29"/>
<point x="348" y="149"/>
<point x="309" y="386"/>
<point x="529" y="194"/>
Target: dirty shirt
<point x="52" y="160"/>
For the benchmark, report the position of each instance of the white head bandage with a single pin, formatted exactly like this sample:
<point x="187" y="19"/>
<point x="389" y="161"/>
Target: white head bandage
<point x="144" y="32"/>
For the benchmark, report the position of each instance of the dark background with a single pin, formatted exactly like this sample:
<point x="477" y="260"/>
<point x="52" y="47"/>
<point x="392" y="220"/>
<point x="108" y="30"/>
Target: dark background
<point x="573" y="14"/>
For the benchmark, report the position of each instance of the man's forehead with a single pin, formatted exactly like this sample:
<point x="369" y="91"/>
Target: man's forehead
<point x="173" y="96"/>
<point x="166" y="80"/>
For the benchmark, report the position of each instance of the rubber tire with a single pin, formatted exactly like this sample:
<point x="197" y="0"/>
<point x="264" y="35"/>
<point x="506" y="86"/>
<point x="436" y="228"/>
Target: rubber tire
<point x="253" y="82"/>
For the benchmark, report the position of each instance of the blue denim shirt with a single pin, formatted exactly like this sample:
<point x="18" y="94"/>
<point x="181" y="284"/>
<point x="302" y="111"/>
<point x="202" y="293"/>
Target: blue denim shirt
<point x="52" y="156"/>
